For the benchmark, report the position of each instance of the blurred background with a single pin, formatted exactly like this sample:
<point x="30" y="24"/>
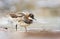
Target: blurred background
<point x="47" y="12"/>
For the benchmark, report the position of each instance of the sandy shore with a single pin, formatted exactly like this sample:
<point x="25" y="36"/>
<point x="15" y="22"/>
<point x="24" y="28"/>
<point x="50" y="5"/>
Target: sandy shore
<point x="37" y="35"/>
<point x="29" y="35"/>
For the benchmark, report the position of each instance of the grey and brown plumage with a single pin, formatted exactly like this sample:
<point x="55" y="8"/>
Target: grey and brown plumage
<point x="25" y="19"/>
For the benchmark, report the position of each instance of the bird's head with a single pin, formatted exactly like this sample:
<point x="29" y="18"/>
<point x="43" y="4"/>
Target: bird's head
<point x="31" y="16"/>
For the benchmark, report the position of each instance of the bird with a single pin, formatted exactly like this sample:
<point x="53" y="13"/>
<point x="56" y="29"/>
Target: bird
<point x="24" y="19"/>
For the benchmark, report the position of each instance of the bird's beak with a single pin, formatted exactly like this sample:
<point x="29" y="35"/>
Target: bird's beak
<point x="34" y="19"/>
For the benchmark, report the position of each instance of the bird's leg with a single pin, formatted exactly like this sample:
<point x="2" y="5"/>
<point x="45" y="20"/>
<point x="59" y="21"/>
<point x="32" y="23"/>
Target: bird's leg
<point x="16" y="27"/>
<point x="25" y="29"/>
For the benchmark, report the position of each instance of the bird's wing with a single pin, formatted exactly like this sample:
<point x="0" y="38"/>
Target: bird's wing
<point x="20" y="14"/>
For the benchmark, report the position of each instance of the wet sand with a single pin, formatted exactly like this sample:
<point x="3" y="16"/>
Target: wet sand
<point x="36" y="35"/>
<point x="6" y="34"/>
<point x="40" y="35"/>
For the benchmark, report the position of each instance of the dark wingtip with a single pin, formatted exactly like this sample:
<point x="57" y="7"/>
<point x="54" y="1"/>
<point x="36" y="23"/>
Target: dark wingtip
<point x="13" y="15"/>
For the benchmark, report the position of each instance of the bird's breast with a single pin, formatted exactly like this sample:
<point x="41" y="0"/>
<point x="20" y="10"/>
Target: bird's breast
<point x="22" y="23"/>
<point x="28" y="21"/>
